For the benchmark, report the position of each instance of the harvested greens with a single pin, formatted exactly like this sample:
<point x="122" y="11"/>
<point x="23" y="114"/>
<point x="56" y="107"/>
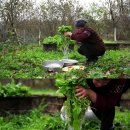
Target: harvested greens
<point x="74" y="106"/>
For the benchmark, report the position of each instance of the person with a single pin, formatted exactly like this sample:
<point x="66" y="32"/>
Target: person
<point x="104" y="94"/>
<point x="91" y="45"/>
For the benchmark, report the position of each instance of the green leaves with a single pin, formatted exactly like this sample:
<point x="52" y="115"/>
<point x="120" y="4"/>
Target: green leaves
<point x="75" y="107"/>
<point x="60" y="40"/>
<point x="56" y="39"/>
<point x="12" y="89"/>
<point x="36" y="120"/>
<point x="64" y="28"/>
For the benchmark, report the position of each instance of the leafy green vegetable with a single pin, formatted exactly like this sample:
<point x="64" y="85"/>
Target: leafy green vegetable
<point x="74" y="106"/>
<point x="60" y="40"/>
<point x="48" y="40"/>
<point x="64" y="28"/>
<point x="52" y="39"/>
<point x="63" y="45"/>
<point x="12" y="89"/>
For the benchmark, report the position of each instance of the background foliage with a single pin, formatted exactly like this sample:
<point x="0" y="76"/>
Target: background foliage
<point x="23" y="21"/>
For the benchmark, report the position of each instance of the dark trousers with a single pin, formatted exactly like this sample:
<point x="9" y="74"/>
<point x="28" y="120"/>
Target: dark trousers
<point x="91" y="51"/>
<point x="106" y="118"/>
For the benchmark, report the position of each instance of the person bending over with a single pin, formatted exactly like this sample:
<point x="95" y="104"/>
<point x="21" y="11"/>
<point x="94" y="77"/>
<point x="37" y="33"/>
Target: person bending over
<point x="91" y="45"/>
<point x="104" y="94"/>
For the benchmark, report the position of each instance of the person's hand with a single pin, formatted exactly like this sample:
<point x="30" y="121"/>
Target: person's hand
<point x="67" y="34"/>
<point x="81" y="92"/>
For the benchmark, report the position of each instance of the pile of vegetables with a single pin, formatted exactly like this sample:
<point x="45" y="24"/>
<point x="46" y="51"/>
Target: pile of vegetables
<point x="74" y="107"/>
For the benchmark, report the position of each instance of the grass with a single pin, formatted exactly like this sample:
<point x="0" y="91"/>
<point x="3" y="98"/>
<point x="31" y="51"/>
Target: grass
<point x="50" y="92"/>
<point x="36" y="120"/>
<point x="122" y="118"/>
<point x="111" y="41"/>
<point x="126" y="95"/>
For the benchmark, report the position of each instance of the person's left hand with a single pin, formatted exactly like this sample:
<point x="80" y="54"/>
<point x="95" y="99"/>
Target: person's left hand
<point x="67" y="34"/>
<point x="81" y="92"/>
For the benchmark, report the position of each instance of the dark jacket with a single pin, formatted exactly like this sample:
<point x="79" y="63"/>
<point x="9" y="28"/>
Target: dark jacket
<point x="108" y="96"/>
<point x="89" y="36"/>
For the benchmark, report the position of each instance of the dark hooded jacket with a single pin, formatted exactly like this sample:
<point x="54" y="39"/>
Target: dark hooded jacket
<point x="89" y="36"/>
<point x="109" y="96"/>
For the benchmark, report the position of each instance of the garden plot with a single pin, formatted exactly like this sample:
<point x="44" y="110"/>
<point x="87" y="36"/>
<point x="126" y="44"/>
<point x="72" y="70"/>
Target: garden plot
<point x="36" y="120"/>
<point x="26" y="62"/>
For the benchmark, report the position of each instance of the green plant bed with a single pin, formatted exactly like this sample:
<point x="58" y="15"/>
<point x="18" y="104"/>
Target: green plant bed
<point x="36" y="120"/>
<point x="23" y="104"/>
<point x="112" y="65"/>
<point x="26" y="62"/>
<point x="121" y="120"/>
<point x="18" y="98"/>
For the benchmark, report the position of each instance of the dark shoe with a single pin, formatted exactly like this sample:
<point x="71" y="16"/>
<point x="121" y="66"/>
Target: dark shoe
<point x="94" y="59"/>
<point x="90" y="61"/>
<point x="112" y="128"/>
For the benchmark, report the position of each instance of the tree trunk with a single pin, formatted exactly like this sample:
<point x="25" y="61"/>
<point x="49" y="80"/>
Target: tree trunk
<point x="24" y="34"/>
<point x="115" y="34"/>
<point x="16" y="36"/>
<point x="39" y="37"/>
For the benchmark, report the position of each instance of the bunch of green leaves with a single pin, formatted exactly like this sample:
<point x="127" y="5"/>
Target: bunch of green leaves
<point x="74" y="106"/>
<point x="64" y="28"/>
<point x="12" y="89"/>
<point x="48" y="40"/>
<point x="52" y="39"/>
<point x="65" y="42"/>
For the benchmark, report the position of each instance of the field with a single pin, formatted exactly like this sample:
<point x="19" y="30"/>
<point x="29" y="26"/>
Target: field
<point x="26" y="62"/>
<point x="36" y="119"/>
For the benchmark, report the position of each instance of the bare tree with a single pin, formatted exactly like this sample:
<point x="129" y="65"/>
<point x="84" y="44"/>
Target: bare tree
<point x="12" y="11"/>
<point x="114" y="14"/>
<point x="124" y="6"/>
<point x="55" y="14"/>
<point x="70" y="11"/>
